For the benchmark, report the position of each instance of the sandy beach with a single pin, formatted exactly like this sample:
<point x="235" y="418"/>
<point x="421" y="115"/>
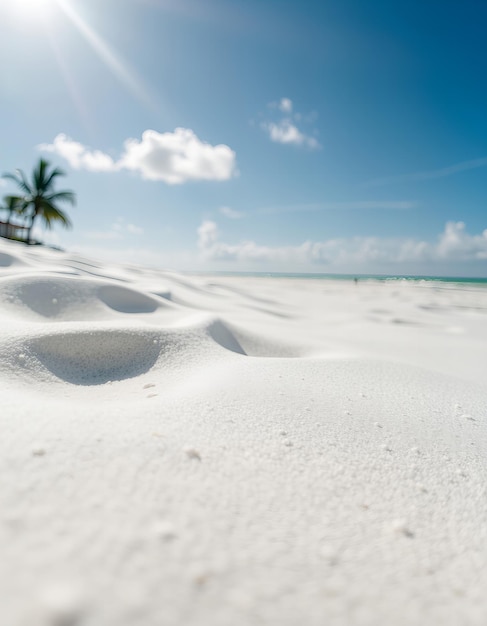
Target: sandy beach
<point x="215" y="450"/>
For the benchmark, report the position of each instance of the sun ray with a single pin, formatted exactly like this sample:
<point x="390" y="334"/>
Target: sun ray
<point x="106" y="54"/>
<point x="72" y="86"/>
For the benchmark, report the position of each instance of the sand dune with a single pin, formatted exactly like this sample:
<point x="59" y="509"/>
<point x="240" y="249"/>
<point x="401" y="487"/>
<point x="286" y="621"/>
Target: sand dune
<point x="212" y="450"/>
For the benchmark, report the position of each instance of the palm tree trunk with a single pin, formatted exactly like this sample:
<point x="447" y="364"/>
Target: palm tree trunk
<point x="29" y="229"/>
<point x="8" y="225"/>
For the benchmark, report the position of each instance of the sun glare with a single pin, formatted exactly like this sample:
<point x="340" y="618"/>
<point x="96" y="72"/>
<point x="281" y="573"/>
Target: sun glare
<point x="49" y="15"/>
<point x="34" y="9"/>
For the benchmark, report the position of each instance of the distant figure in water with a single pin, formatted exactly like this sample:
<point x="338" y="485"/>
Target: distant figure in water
<point x="355" y="280"/>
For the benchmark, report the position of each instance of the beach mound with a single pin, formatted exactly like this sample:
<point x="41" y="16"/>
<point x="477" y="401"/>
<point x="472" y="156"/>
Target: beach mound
<point x="45" y="297"/>
<point x="215" y="450"/>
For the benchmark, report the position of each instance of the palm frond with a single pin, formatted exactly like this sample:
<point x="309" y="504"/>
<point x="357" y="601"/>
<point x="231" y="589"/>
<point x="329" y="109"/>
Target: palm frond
<point x="24" y="183"/>
<point x="51" y="213"/>
<point x="50" y="179"/>
<point x="20" y="179"/>
<point x="11" y="176"/>
<point x="62" y="196"/>
<point x="14" y="204"/>
<point x="38" y="175"/>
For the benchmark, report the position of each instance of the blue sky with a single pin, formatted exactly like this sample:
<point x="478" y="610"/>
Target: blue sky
<point x="256" y="135"/>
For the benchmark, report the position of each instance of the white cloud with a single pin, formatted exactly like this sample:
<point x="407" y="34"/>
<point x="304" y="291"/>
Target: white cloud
<point x="79" y="156"/>
<point x="454" y="244"/>
<point x="177" y="157"/>
<point x="207" y="235"/>
<point x="284" y="130"/>
<point x="172" y="157"/>
<point x="232" y="214"/>
<point x="286" y="105"/>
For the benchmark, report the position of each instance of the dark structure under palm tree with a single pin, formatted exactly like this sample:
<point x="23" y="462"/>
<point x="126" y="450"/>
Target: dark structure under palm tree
<point x="38" y="199"/>
<point x="9" y="229"/>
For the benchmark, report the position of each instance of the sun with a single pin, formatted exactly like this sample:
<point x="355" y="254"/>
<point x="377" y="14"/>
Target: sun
<point x="33" y="9"/>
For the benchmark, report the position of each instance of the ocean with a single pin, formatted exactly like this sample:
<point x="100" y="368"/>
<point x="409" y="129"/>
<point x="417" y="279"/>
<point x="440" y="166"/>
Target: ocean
<point x="360" y="277"/>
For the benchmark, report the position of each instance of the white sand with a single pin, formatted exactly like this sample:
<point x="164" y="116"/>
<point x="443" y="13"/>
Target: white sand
<point x="238" y="451"/>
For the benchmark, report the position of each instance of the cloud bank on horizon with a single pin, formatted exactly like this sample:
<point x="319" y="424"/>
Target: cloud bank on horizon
<point x="454" y="244"/>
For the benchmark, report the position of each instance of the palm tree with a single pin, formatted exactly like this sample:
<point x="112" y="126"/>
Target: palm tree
<point x="40" y="199"/>
<point x="12" y="204"/>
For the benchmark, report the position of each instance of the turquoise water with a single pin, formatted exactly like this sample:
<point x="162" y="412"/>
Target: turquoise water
<point x="380" y="277"/>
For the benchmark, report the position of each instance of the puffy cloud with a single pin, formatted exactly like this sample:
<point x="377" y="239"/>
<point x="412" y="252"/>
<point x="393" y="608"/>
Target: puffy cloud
<point x="284" y="130"/>
<point x="456" y="243"/>
<point x="177" y="157"/>
<point x="453" y="244"/>
<point x="214" y="249"/>
<point x="78" y="156"/>
<point x="172" y="157"/>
